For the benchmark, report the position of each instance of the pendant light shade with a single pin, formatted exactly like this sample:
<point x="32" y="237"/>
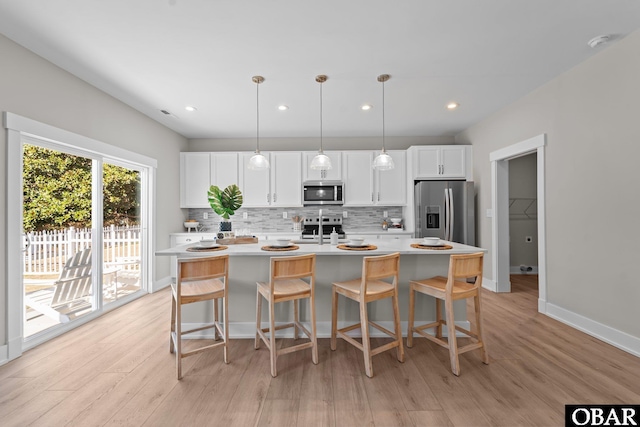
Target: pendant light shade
<point x="258" y="161"/>
<point x="383" y="161"/>
<point x="321" y="161"/>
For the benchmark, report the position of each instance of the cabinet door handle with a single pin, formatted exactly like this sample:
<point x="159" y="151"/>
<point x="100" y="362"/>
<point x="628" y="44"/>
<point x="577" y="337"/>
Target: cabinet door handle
<point x="378" y="196"/>
<point x="268" y="197"/>
<point x="275" y="197"/>
<point x="372" y="196"/>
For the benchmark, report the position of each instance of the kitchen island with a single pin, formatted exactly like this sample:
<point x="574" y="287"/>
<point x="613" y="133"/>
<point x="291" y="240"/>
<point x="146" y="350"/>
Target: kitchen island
<point x="248" y="263"/>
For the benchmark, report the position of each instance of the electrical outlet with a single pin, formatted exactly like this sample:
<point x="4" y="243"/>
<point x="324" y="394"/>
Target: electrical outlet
<point x="245" y="215"/>
<point x="385" y="214"/>
<point x="284" y="215"/>
<point x="344" y="214"/>
<point x="205" y="215"/>
<point x="528" y="239"/>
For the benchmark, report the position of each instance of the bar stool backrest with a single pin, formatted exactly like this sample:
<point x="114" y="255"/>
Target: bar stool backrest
<point x="466" y="266"/>
<point x="293" y="267"/>
<point x="380" y="267"/>
<point x="194" y="269"/>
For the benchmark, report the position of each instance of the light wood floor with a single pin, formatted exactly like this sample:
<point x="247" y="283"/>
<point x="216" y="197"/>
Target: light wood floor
<point x="108" y="373"/>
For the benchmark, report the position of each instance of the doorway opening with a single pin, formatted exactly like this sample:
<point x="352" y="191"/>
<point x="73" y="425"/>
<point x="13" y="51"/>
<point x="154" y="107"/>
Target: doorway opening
<point x="501" y="204"/>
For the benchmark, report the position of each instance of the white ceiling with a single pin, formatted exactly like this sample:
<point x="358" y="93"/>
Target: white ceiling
<point x="166" y="54"/>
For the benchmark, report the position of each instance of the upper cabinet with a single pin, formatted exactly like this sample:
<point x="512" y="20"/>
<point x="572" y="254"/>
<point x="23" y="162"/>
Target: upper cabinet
<point x="442" y="161"/>
<point x="280" y="185"/>
<point x="391" y="185"/>
<point x="194" y="180"/>
<point x="333" y="174"/>
<point x="358" y="178"/>
<point x="365" y="186"/>
<point x="198" y="171"/>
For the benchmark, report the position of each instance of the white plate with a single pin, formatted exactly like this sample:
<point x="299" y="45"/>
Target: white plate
<point x="275" y="245"/>
<point x="360" y="245"/>
<point x="432" y="246"/>
<point x="215" y="245"/>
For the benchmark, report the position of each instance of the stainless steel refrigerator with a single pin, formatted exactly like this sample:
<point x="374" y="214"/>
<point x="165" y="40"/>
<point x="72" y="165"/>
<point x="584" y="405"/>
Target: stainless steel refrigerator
<point x="445" y="209"/>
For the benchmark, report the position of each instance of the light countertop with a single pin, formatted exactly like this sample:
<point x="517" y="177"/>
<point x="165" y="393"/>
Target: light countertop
<point x="383" y="247"/>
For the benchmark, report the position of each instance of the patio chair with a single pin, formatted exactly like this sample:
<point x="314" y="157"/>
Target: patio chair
<point x="69" y="292"/>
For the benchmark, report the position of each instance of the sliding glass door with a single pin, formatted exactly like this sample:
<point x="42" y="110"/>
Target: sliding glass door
<point x="83" y="226"/>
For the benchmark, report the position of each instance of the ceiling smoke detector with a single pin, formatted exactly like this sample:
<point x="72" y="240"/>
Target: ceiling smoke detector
<point x="597" y="41"/>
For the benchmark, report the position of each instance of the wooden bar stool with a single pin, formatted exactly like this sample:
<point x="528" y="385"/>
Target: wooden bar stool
<point x="199" y="279"/>
<point x="450" y="289"/>
<point x="286" y="284"/>
<point x="370" y="287"/>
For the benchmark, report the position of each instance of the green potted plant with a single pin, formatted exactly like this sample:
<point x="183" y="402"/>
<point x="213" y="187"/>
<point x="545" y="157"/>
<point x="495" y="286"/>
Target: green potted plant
<point x="225" y="203"/>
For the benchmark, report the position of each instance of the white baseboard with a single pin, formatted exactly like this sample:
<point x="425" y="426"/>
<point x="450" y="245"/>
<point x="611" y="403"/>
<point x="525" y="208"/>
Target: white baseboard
<point x="240" y="330"/>
<point x="489" y="284"/>
<point x="4" y="356"/>
<point x="605" y="333"/>
<point x="515" y="269"/>
<point x="161" y="284"/>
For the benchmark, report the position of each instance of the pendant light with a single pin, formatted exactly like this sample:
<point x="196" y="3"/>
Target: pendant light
<point x="383" y="161"/>
<point x="258" y="161"/>
<point x="321" y="161"/>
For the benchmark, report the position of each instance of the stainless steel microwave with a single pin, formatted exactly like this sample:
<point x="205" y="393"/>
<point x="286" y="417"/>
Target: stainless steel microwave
<point x="322" y="193"/>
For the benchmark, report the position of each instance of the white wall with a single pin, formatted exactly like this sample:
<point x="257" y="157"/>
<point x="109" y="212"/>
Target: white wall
<point x="33" y="87"/>
<point x="590" y="116"/>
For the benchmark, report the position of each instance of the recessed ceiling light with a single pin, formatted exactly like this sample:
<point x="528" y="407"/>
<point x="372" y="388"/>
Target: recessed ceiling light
<point x="283" y="107"/>
<point x="367" y="107"/>
<point x="452" y="105"/>
<point x="190" y="108"/>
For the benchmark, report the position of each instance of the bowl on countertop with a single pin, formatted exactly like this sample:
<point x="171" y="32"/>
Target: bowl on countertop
<point x="356" y="241"/>
<point x="431" y="241"/>
<point x="283" y="242"/>
<point x="207" y="243"/>
<point x="396" y="221"/>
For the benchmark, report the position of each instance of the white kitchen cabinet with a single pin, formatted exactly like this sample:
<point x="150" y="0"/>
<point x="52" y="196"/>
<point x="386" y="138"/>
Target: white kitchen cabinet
<point x="358" y="178"/>
<point x="198" y="171"/>
<point x="442" y="161"/>
<point x="194" y="180"/>
<point x="224" y="169"/>
<point x="286" y="179"/>
<point x="365" y="186"/>
<point x="333" y="174"/>
<point x="391" y="185"/>
<point x="254" y="184"/>
<point x="280" y="185"/>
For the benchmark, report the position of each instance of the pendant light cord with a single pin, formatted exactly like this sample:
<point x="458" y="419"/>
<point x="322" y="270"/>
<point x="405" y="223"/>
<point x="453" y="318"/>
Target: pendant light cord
<point x="257" y="117"/>
<point x="321" y="150"/>
<point x="383" y="133"/>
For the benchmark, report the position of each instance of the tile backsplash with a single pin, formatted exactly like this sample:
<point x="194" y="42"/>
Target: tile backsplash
<point x="261" y="220"/>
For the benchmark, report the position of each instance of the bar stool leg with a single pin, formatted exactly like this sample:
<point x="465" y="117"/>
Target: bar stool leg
<point x="226" y="326"/>
<point x="334" y="317"/>
<point x="366" y="343"/>
<point x="178" y="339"/>
<point x="412" y="308"/>
<point x="256" y="345"/>
<point x="216" y="319"/>
<point x="272" y="338"/>
<point x="314" y="337"/>
<point x="296" y="318"/>
<point x="483" y="350"/>
<point x="173" y="324"/>
<point x="438" y="318"/>
<point x="453" y="345"/>
<point x="396" y="321"/>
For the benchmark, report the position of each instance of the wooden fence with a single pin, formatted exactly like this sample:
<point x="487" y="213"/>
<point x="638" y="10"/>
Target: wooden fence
<point x="49" y="250"/>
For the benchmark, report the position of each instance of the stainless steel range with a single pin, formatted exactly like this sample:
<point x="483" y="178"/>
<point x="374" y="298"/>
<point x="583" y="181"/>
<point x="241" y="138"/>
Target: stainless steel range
<point x="311" y="227"/>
